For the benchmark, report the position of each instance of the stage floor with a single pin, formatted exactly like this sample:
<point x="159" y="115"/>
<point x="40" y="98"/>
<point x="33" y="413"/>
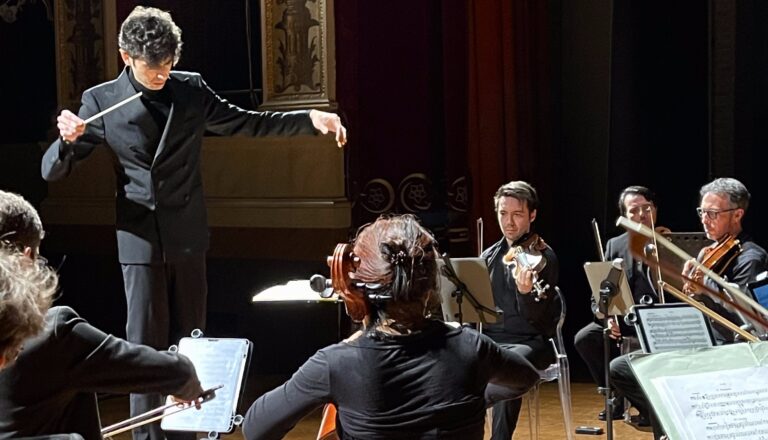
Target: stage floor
<point x="586" y="405"/>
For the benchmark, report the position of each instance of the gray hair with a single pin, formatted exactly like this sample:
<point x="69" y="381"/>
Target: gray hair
<point x="27" y="289"/>
<point x="736" y="191"/>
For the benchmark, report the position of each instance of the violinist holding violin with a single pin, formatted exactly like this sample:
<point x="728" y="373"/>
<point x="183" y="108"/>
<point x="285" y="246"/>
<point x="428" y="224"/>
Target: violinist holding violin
<point x="738" y="259"/>
<point x="733" y="255"/>
<point x="524" y="292"/>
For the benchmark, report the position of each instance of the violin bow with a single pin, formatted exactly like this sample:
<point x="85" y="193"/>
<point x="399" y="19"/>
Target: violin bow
<point x="598" y="241"/>
<point x="660" y="281"/>
<point x="479" y="226"/>
<point x="736" y="293"/>
<point x="158" y="413"/>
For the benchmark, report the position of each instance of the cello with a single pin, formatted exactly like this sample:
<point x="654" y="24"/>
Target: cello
<point x="341" y="264"/>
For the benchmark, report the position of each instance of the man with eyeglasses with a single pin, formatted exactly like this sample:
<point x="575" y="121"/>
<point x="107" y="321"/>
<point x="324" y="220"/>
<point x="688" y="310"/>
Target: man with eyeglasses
<point x="48" y="384"/>
<point x="724" y="203"/>
<point x="722" y="207"/>
<point x="637" y="203"/>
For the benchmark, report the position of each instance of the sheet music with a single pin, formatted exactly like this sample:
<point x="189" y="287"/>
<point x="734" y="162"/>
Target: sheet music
<point x="218" y="362"/>
<point x="733" y="405"/>
<point x="675" y="328"/>
<point x="672" y="328"/>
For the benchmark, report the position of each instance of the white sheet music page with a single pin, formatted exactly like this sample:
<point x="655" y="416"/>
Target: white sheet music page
<point x="732" y="405"/>
<point x="217" y="362"/>
<point x="674" y="328"/>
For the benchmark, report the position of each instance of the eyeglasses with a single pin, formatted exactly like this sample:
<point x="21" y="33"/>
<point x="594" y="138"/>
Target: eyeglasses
<point x="635" y="210"/>
<point x="712" y="213"/>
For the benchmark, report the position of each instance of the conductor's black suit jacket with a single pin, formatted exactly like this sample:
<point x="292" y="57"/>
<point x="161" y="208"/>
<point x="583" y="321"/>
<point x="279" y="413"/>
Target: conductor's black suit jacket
<point x="160" y="206"/>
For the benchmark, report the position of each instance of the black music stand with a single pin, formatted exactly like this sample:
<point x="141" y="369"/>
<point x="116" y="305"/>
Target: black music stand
<point x="466" y="279"/>
<point x="613" y="296"/>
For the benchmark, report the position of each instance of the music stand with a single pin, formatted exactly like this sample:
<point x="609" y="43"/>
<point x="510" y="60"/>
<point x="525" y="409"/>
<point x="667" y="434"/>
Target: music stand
<point x="302" y="292"/>
<point x="466" y="279"/>
<point x="217" y="361"/>
<point x="690" y="242"/>
<point x="613" y="296"/>
<point x="621" y="300"/>
<point x="667" y="327"/>
<point x="759" y="291"/>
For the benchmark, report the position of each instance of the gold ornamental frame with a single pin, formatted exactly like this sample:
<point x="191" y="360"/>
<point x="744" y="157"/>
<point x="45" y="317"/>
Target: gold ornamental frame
<point x="298" y="56"/>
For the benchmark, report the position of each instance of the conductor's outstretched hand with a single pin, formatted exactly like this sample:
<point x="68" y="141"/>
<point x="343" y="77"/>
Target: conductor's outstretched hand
<point x="326" y="122"/>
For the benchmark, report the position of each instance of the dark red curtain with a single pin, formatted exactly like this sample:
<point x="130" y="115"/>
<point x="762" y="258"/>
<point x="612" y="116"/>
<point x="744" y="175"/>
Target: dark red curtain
<point x="510" y="103"/>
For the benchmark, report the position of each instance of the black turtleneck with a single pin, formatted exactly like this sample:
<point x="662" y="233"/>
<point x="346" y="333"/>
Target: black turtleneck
<point x="158" y="102"/>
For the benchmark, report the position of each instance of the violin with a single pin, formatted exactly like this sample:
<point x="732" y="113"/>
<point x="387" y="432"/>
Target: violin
<point x="527" y="253"/>
<point x="716" y="258"/>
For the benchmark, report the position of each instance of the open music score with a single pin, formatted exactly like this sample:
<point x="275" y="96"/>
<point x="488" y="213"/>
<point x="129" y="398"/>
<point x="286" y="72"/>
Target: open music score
<point x="733" y="408"/>
<point x="709" y="394"/>
<point x="672" y="327"/>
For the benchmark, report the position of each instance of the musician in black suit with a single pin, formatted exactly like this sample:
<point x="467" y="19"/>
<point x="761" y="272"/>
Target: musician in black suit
<point x="723" y="204"/>
<point x="48" y="381"/>
<point x="162" y="230"/>
<point x="638" y="204"/>
<point x="528" y="319"/>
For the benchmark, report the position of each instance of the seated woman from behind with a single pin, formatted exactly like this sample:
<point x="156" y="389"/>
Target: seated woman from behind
<point x="404" y="375"/>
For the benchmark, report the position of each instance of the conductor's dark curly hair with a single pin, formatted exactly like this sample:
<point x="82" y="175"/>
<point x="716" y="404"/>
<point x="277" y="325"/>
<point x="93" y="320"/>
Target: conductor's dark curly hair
<point x="150" y="34"/>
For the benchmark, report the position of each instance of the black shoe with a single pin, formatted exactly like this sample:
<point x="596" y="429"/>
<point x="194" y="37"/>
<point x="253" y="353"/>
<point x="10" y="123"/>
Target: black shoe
<point x="618" y="414"/>
<point x="640" y="422"/>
